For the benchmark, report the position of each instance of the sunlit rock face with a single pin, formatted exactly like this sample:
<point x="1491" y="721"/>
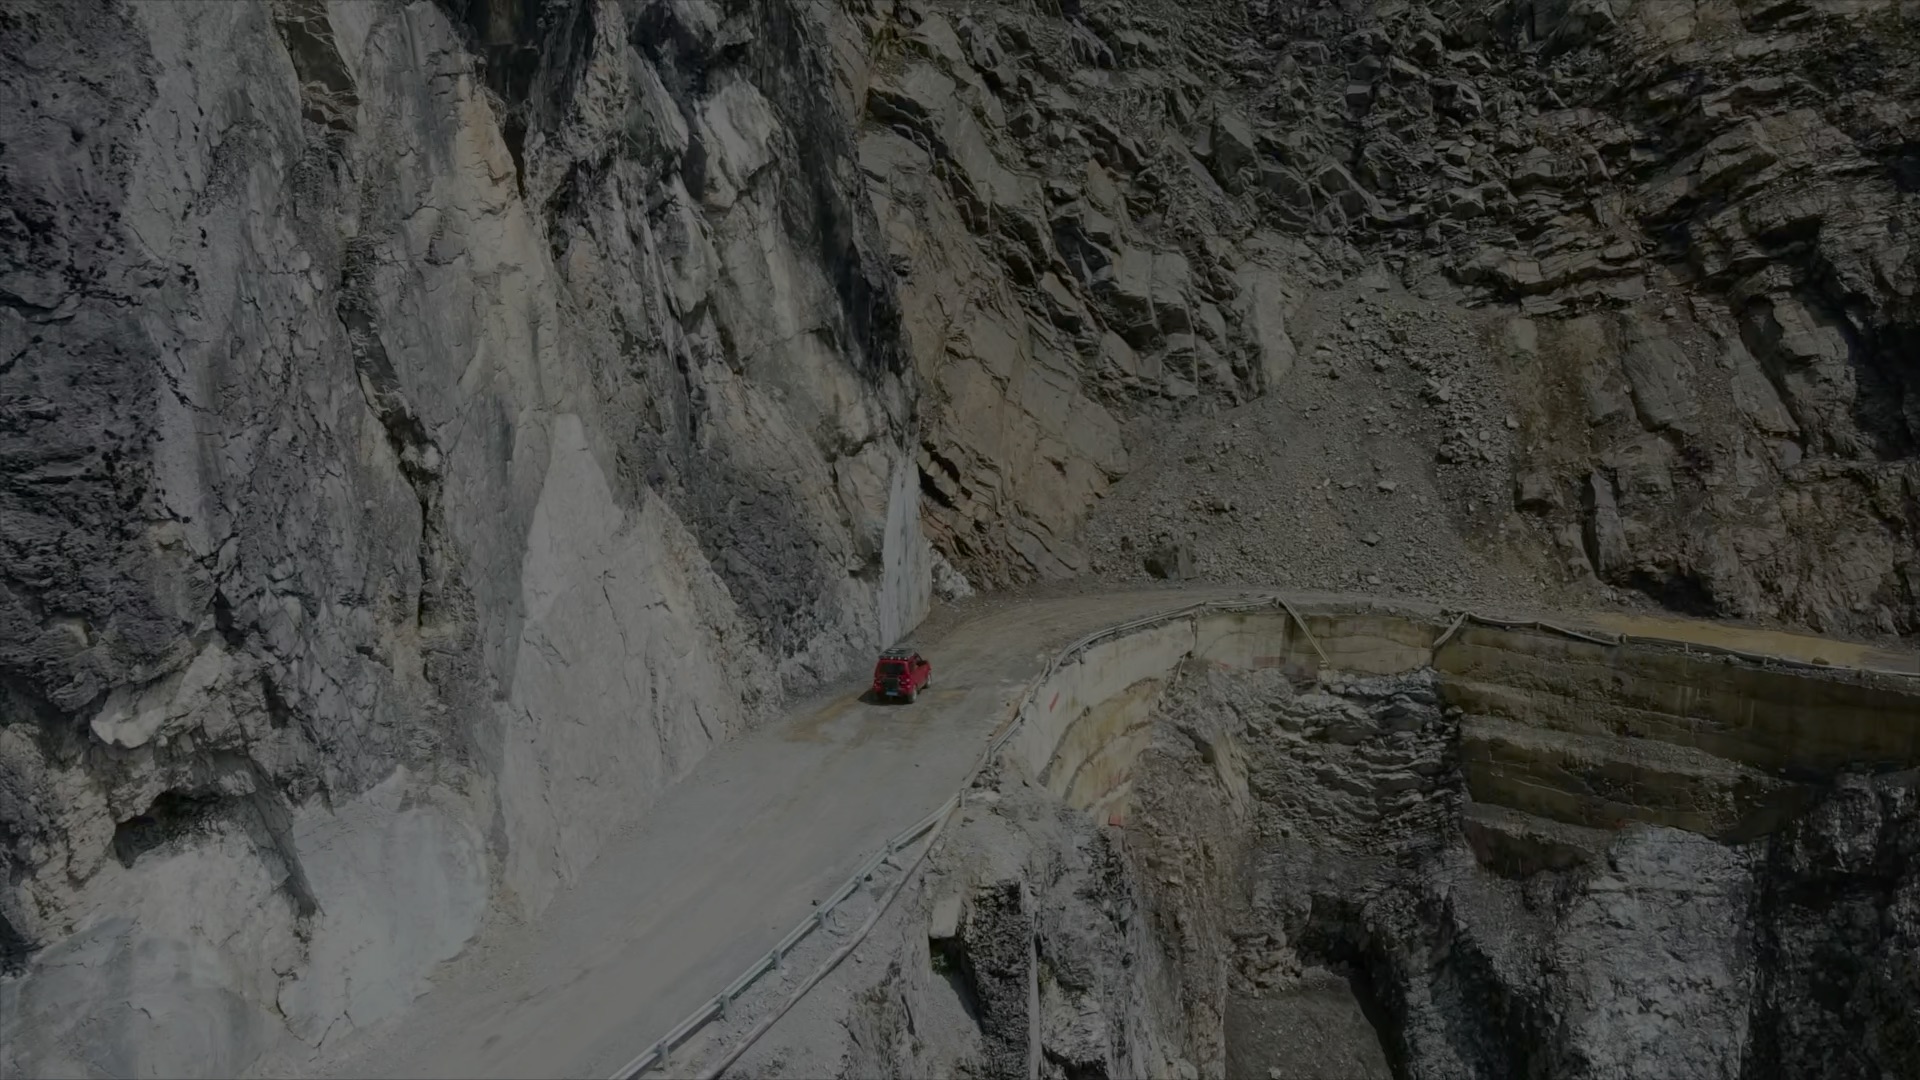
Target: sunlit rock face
<point x="428" y="430"/>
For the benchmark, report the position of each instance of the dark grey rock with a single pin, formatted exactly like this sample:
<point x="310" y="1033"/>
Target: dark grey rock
<point x="1173" y="562"/>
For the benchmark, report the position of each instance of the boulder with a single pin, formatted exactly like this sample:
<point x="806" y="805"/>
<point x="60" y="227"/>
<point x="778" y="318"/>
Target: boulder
<point x="1293" y="196"/>
<point x="1535" y="492"/>
<point x="1807" y="356"/>
<point x="1172" y="292"/>
<point x="1262" y="307"/>
<point x="1734" y="158"/>
<point x="1127" y="293"/>
<point x="1231" y="148"/>
<point x="1655" y="365"/>
<point x="1148" y="294"/>
<point x="1463" y="204"/>
<point x="1337" y="184"/>
<point x="1606" y="538"/>
<point x="1063" y="308"/>
<point x="1642" y="473"/>
<point x="1170" y="562"/>
<point x="1535" y="170"/>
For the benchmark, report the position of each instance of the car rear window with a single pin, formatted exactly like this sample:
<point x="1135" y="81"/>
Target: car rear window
<point x="892" y="667"/>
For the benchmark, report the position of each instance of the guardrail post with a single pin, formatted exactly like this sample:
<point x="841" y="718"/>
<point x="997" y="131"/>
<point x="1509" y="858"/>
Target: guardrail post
<point x="659" y="1056"/>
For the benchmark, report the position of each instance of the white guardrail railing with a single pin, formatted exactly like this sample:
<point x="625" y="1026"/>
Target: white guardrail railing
<point x="717" y="1008"/>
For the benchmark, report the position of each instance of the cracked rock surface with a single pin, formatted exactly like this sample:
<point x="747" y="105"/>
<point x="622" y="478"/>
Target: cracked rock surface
<point x="1657" y="951"/>
<point x="427" y="429"/>
<point x="1301" y="889"/>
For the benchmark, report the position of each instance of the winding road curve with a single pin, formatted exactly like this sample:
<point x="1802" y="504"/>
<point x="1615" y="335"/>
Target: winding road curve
<point x="732" y="857"/>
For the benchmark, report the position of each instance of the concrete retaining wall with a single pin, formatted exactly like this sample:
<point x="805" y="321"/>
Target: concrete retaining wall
<point x="1772" y="719"/>
<point x="1557" y="727"/>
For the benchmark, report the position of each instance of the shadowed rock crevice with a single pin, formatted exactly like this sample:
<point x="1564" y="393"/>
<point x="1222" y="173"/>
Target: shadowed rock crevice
<point x="15" y="949"/>
<point x="825" y="208"/>
<point x="172" y="816"/>
<point x="326" y="86"/>
<point x="415" y="450"/>
<point x="533" y="55"/>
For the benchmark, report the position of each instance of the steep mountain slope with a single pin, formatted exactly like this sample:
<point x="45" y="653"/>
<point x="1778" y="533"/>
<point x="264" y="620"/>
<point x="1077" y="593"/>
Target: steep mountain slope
<point x="1623" y="298"/>
<point x="427" y="430"/>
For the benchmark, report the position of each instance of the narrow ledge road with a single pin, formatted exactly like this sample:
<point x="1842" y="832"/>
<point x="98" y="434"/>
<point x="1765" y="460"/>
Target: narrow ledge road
<point x="735" y="855"/>
<point x="728" y="860"/>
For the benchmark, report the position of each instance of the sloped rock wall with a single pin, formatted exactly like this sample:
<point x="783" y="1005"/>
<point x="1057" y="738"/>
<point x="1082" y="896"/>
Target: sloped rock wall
<point x="1623" y="285"/>
<point x="1664" y="952"/>
<point x="428" y="430"/>
<point x="1699" y="212"/>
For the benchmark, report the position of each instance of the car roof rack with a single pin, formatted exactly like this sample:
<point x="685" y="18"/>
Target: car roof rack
<point x="898" y="652"/>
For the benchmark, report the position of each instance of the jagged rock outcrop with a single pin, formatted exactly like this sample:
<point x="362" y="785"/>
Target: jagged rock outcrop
<point x="1654" y="949"/>
<point x="427" y="430"/>
<point x="1701" y="211"/>
<point x="1683" y="241"/>
<point x="1319" y="876"/>
<point x="1063" y="264"/>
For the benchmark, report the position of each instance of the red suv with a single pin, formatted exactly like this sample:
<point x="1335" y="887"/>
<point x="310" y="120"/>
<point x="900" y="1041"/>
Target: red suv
<point x="901" y="673"/>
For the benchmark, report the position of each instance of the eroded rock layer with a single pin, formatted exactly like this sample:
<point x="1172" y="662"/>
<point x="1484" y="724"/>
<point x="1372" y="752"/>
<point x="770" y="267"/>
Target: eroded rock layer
<point x="1305" y="886"/>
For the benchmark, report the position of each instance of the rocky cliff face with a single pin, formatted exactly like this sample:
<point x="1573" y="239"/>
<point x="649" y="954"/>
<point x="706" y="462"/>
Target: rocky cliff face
<point x="1304" y="889"/>
<point x="427" y="430"/>
<point x="1612" y="294"/>
<point x="1658" y="950"/>
<point x="1618" y="301"/>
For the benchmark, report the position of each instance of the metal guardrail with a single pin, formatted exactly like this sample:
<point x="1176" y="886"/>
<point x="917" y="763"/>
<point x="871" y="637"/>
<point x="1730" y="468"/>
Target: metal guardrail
<point x="1614" y="639"/>
<point x="716" y="1007"/>
<point x="660" y="1052"/>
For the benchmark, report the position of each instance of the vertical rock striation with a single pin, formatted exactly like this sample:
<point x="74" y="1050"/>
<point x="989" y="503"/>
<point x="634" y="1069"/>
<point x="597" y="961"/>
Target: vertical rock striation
<point x="427" y="430"/>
